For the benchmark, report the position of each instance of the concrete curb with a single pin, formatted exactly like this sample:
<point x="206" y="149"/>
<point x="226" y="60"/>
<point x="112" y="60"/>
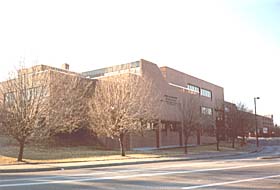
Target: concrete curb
<point x="270" y="157"/>
<point x="56" y="168"/>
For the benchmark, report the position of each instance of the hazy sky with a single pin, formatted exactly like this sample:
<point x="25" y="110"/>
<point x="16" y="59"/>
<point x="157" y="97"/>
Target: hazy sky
<point x="234" y="44"/>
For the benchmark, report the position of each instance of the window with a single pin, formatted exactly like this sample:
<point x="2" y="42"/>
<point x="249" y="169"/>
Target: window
<point x="206" y="111"/>
<point x="173" y="127"/>
<point x="134" y="64"/>
<point x="171" y="100"/>
<point x="34" y="93"/>
<point x="164" y="127"/>
<point x="193" y="88"/>
<point x="227" y="109"/>
<point x="28" y="94"/>
<point x="9" y="97"/>
<point x="133" y="67"/>
<point x="206" y="93"/>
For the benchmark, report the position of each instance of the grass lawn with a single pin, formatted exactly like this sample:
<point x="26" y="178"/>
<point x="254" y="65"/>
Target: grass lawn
<point x="42" y="154"/>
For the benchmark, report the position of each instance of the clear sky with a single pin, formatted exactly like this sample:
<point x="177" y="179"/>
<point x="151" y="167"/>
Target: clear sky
<point x="234" y="44"/>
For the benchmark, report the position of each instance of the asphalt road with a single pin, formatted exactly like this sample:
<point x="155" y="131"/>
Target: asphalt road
<point x="248" y="171"/>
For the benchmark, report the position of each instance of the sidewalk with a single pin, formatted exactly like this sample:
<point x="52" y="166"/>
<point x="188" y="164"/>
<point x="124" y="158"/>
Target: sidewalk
<point x="35" y="167"/>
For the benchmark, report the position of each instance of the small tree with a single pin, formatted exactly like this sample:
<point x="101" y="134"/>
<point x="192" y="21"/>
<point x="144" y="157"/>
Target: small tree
<point x="190" y="116"/>
<point x="24" y="105"/>
<point x="121" y="105"/>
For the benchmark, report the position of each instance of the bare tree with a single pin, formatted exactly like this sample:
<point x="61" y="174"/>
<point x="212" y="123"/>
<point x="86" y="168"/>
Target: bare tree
<point x="244" y="121"/>
<point x="2" y="113"/>
<point x="231" y="122"/>
<point x="24" y="105"/>
<point x="121" y="105"/>
<point x="220" y="117"/>
<point x="190" y="116"/>
<point x="69" y="109"/>
<point x="43" y="101"/>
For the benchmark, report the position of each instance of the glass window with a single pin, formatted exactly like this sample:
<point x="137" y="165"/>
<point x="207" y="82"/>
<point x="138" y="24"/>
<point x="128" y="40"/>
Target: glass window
<point x="133" y="67"/>
<point x="206" y="93"/>
<point x="134" y="64"/>
<point x="193" y="88"/>
<point x="9" y="97"/>
<point x="206" y="111"/>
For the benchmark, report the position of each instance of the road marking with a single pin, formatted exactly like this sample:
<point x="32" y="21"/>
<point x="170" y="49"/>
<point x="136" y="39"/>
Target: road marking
<point x="231" y="182"/>
<point x="126" y="170"/>
<point x="134" y="175"/>
<point x="111" y="172"/>
<point x="108" y="172"/>
<point x="66" y="176"/>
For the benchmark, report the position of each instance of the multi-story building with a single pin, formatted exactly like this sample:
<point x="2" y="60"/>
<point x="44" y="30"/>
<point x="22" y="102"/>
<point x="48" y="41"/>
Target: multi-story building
<point x="265" y="125"/>
<point x="32" y="79"/>
<point x="238" y="120"/>
<point x="42" y="93"/>
<point x="173" y="85"/>
<point x="230" y="120"/>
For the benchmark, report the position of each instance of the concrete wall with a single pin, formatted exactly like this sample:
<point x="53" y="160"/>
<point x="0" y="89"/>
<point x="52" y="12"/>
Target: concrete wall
<point x="147" y="139"/>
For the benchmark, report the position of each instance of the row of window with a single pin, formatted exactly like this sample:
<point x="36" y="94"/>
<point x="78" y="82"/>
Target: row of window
<point x="116" y="68"/>
<point x="27" y="94"/>
<point x="201" y="91"/>
<point x="206" y="93"/>
<point x="194" y="90"/>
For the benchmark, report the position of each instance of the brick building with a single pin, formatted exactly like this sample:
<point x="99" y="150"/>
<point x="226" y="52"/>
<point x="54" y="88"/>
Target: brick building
<point x="47" y="90"/>
<point x="234" y="118"/>
<point x="173" y="85"/>
<point x="265" y="125"/>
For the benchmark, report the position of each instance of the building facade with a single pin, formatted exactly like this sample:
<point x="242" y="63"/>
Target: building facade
<point x="46" y="96"/>
<point x="265" y="125"/>
<point x="241" y="121"/>
<point x="173" y="86"/>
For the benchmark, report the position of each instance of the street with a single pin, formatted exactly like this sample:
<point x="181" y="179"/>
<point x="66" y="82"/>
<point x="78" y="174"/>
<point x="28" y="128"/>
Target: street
<point x="248" y="171"/>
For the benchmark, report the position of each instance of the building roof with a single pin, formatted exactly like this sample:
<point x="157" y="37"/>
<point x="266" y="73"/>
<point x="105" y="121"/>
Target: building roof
<point x="188" y="75"/>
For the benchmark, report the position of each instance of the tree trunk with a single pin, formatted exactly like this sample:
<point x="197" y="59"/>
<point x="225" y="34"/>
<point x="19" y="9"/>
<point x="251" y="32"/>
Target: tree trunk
<point x="198" y="136"/>
<point x="218" y="139"/>
<point x="218" y="134"/>
<point x="157" y="136"/>
<point x="243" y="134"/>
<point x="243" y="140"/>
<point x="233" y="142"/>
<point x="186" y="143"/>
<point x="180" y="137"/>
<point x="21" y="148"/>
<point x="121" y="139"/>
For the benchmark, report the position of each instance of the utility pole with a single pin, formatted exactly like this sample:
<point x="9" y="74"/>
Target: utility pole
<point x="256" y="122"/>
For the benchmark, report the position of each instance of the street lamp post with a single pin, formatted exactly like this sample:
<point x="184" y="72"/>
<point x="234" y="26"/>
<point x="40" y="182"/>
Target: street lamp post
<point x="256" y="122"/>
